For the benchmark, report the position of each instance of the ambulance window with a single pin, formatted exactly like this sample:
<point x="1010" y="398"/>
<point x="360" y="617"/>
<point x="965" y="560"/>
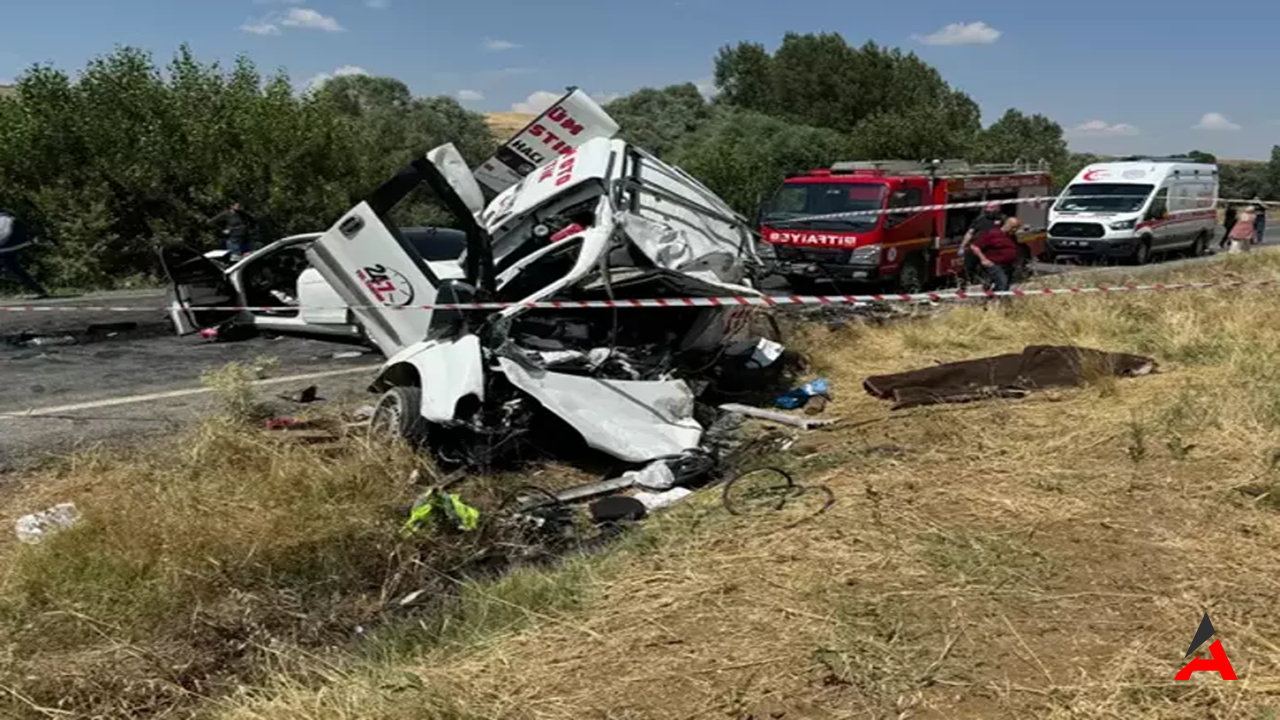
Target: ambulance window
<point x="1160" y="205"/>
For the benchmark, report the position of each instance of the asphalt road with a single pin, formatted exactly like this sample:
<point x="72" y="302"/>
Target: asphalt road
<point x="120" y="382"/>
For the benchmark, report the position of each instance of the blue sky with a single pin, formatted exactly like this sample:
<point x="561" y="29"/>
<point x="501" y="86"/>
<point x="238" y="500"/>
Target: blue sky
<point x="1121" y="75"/>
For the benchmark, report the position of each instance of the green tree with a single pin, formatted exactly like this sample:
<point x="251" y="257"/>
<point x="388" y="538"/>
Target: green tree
<point x="820" y="80"/>
<point x="1243" y="180"/>
<point x="125" y="157"/>
<point x="743" y="155"/>
<point x="1016" y="136"/>
<point x="939" y="130"/>
<point x="657" y="120"/>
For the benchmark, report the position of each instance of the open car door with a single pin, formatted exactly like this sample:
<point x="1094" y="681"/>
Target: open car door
<point x="383" y="278"/>
<point x="195" y="283"/>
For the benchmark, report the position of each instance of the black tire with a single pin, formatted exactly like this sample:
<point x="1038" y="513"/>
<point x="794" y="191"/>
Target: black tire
<point x="398" y="416"/>
<point x="1141" y="253"/>
<point x="800" y="285"/>
<point x="1200" y="246"/>
<point x="911" y="278"/>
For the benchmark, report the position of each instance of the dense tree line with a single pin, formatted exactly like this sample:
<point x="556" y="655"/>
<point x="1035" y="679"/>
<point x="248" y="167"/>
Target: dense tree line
<point x="127" y="155"/>
<point x="124" y="157"/>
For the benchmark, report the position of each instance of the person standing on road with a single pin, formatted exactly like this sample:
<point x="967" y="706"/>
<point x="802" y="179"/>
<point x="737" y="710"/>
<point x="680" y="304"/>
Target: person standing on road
<point x="989" y="219"/>
<point x="1243" y="231"/>
<point x="1260" y="220"/>
<point x="997" y="252"/>
<point x="235" y="224"/>
<point x="1228" y="222"/>
<point x="13" y="238"/>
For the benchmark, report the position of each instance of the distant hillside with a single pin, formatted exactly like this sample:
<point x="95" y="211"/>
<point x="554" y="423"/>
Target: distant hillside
<point x="506" y="124"/>
<point x="7" y="90"/>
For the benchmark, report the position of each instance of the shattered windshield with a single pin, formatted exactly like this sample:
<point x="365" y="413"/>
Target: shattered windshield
<point x="824" y="198"/>
<point x="1103" y="197"/>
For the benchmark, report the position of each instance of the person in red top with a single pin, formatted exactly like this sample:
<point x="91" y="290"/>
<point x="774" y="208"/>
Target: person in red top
<point x="997" y="251"/>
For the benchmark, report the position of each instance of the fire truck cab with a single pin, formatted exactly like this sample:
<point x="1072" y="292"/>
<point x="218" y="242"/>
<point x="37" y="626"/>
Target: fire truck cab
<point x="899" y="238"/>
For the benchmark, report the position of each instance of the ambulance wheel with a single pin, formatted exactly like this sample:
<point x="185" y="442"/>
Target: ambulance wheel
<point x="398" y="416"/>
<point x="911" y="278"/>
<point x="1200" y="246"/>
<point x="1142" y="253"/>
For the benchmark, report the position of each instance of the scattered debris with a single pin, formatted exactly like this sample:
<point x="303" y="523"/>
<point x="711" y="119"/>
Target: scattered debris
<point x="769" y="489"/>
<point x="779" y="417"/>
<point x="436" y="503"/>
<point x="50" y="341"/>
<point x="33" y="528"/>
<point x="658" y="501"/>
<point x="617" y="508"/>
<point x="110" y="329"/>
<point x="1014" y="375"/>
<point x="348" y="354"/>
<point x="798" y="397"/>
<point x="306" y="396"/>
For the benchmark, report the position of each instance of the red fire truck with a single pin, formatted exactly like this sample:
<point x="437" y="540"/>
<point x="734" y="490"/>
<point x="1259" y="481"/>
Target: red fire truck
<point x="911" y="250"/>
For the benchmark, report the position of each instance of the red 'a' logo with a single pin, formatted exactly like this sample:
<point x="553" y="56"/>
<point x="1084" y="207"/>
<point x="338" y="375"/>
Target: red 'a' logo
<point x="1216" y="662"/>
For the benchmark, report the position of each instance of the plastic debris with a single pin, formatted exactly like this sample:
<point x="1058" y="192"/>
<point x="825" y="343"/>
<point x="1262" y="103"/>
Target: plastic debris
<point x="657" y="501"/>
<point x="760" y="352"/>
<point x="33" y="528"/>
<point x="654" y="476"/>
<point x="347" y="355"/>
<point x="778" y="417"/>
<point x="799" y="396"/>
<point x="435" y="503"/>
<point x="50" y="341"/>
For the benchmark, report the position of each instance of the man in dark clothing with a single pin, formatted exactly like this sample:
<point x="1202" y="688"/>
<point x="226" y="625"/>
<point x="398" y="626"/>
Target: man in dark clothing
<point x="1259" y="220"/>
<point x="1228" y="222"/>
<point x="988" y="219"/>
<point x="235" y="224"/>
<point x="14" y="237"/>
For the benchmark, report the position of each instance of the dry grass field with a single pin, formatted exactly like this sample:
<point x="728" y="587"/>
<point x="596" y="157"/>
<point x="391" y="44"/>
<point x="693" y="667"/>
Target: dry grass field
<point x="1048" y="557"/>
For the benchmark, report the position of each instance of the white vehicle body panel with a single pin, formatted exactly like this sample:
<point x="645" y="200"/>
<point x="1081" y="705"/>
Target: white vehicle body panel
<point x="567" y="124"/>
<point x="632" y="421"/>
<point x="378" y="276"/>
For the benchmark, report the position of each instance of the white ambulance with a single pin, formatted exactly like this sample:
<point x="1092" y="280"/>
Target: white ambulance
<point x="1134" y="209"/>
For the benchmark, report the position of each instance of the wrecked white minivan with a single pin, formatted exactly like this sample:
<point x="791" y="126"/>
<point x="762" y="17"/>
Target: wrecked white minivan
<point x="608" y="221"/>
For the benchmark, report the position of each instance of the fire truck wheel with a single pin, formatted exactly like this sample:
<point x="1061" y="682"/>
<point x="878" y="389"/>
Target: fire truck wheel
<point x="911" y="278"/>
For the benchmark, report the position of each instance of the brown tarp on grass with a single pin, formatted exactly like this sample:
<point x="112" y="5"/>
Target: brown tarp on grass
<point x="1037" y="367"/>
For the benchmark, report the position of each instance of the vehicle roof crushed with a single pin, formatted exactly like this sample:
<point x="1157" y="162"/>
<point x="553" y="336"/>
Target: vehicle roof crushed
<point x="607" y="221"/>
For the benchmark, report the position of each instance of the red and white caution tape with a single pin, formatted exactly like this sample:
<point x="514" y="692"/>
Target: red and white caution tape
<point x="727" y="301"/>
<point x="1042" y="199"/>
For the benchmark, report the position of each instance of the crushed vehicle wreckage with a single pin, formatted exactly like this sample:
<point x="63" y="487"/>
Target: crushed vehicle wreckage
<point x="605" y="222"/>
